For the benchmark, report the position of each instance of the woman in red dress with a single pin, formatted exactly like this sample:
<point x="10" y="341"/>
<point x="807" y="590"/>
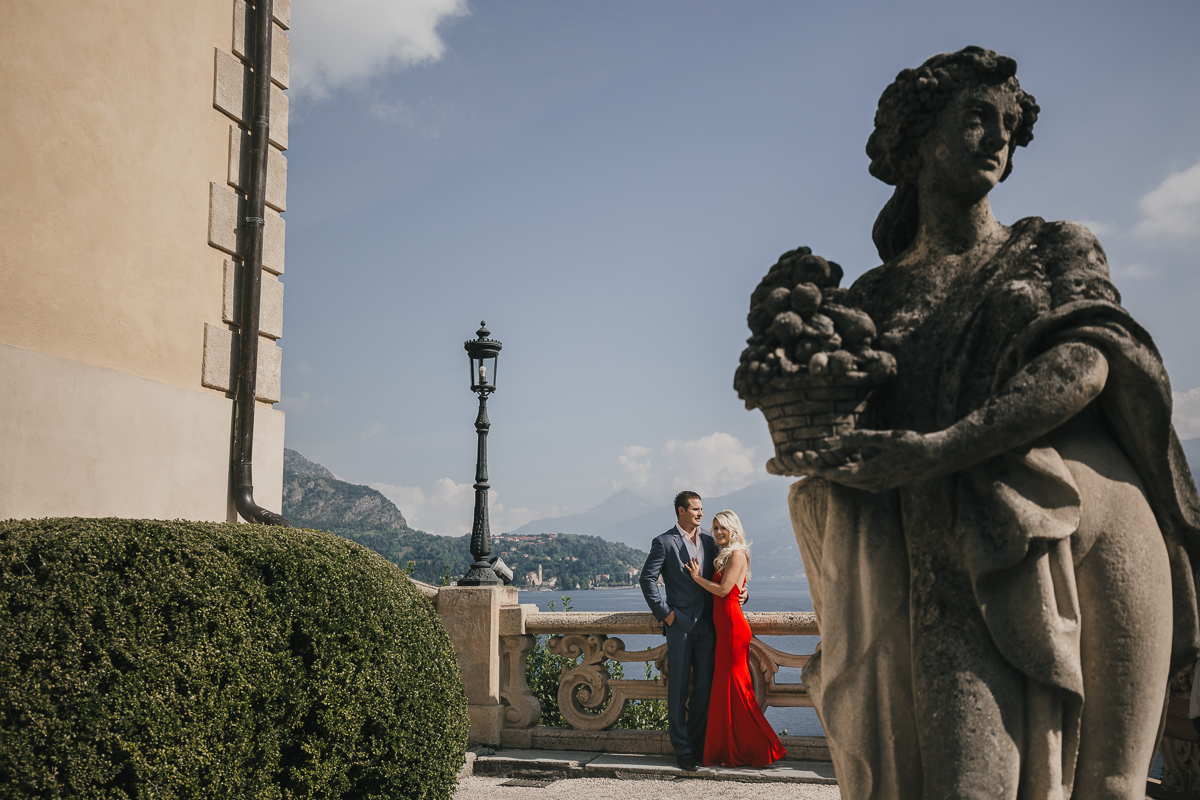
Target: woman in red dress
<point x="738" y="733"/>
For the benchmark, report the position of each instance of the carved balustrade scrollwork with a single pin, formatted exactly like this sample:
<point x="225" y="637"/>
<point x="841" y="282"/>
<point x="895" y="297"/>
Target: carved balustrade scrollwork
<point x="588" y="686"/>
<point x="589" y="699"/>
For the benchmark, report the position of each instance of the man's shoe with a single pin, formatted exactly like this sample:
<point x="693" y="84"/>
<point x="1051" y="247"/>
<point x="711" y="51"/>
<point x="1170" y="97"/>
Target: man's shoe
<point x="687" y="762"/>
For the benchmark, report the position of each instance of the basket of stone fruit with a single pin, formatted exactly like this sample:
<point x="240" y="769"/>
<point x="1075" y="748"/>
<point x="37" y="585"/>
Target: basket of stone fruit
<point x="809" y="365"/>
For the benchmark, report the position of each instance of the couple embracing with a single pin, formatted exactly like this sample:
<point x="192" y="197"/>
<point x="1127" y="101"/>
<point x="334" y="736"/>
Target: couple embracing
<point x="718" y="721"/>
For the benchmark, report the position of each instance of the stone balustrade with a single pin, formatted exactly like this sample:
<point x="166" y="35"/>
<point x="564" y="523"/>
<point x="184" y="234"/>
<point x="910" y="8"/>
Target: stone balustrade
<point x="585" y="689"/>
<point x="493" y="634"/>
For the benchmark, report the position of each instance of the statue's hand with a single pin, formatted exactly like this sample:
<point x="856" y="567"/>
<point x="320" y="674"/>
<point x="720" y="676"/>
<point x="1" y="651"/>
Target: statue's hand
<point x="900" y="457"/>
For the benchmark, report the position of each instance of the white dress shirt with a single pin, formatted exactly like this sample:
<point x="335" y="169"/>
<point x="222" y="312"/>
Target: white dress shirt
<point x="694" y="547"/>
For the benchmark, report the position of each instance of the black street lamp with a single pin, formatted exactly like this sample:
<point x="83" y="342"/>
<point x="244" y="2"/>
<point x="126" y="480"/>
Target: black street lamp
<point x="483" y="354"/>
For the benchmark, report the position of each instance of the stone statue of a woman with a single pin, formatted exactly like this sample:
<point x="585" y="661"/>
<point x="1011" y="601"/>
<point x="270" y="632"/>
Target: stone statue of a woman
<point x="1005" y="581"/>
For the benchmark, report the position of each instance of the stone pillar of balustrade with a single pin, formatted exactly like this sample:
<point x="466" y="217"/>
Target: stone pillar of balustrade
<point x="476" y="617"/>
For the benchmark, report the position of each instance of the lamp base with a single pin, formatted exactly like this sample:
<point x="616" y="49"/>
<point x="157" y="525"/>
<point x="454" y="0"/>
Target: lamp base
<point x="480" y="574"/>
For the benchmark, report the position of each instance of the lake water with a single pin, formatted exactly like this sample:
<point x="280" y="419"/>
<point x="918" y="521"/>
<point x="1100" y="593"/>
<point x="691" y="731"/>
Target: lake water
<point x="766" y="594"/>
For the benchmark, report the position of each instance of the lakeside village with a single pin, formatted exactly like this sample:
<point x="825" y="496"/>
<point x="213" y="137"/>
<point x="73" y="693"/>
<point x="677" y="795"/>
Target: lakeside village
<point x="548" y="571"/>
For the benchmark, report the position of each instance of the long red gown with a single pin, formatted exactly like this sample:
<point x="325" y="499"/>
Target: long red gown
<point x="738" y="734"/>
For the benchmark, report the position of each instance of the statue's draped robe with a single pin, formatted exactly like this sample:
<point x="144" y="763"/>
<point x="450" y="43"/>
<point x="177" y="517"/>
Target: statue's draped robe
<point x="1007" y="522"/>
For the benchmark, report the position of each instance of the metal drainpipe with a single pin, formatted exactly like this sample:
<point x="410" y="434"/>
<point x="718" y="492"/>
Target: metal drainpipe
<point x="243" y="437"/>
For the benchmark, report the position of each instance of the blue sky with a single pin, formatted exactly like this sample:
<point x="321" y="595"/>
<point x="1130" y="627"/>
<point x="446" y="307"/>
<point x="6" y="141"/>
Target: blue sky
<point x="606" y="182"/>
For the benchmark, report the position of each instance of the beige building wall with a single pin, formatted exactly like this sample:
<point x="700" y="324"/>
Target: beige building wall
<point x="122" y="142"/>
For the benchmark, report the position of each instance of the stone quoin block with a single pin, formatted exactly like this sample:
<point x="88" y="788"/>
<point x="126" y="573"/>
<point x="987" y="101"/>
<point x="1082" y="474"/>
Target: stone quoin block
<point x="221" y="363"/>
<point x="281" y="57"/>
<point x="279" y="118"/>
<point x="270" y="371"/>
<point x="273" y="240"/>
<point x="239" y="168"/>
<point x="226" y="213"/>
<point x="281" y="12"/>
<point x="243" y="43"/>
<point x="219" y="358"/>
<point x="270" y="309"/>
<point x="231" y="301"/>
<point x="225" y="210"/>
<point x="233" y="88"/>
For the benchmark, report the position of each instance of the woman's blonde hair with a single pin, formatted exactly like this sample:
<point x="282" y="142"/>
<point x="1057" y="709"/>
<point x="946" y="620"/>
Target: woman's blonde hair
<point x="737" y="539"/>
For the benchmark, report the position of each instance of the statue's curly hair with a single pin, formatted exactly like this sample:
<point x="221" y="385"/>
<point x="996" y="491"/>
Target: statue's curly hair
<point x="908" y="110"/>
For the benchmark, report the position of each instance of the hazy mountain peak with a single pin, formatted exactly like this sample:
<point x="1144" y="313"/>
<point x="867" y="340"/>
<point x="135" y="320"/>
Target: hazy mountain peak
<point x="314" y="498"/>
<point x="620" y="506"/>
<point x="294" y="462"/>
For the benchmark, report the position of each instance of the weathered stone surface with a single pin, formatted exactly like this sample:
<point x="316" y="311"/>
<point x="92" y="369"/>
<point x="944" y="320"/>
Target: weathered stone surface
<point x="281" y="57"/>
<point x="512" y="618"/>
<point x="243" y="43"/>
<point x="232" y="87"/>
<point x="225" y="211"/>
<point x="239" y="168"/>
<point x="522" y="709"/>
<point x="471" y="615"/>
<point x="766" y="623"/>
<point x="806" y="748"/>
<point x="274" y="236"/>
<point x="221" y="359"/>
<point x="269" y="385"/>
<point x="233" y="94"/>
<point x="486" y="723"/>
<point x="279" y="118"/>
<point x="592" y="764"/>
<point x="996" y="550"/>
<point x="613" y="765"/>
<point x="231" y="298"/>
<point x="270" y="313"/>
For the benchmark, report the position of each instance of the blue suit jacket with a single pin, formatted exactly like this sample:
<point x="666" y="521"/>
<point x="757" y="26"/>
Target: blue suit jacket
<point x="668" y="557"/>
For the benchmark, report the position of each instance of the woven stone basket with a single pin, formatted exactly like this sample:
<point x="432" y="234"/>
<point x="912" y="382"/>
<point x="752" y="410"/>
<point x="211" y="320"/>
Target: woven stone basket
<point x="808" y="414"/>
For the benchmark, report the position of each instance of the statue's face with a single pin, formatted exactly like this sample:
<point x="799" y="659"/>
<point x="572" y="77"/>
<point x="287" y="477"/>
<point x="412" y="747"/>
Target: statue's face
<point x="967" y="151"/>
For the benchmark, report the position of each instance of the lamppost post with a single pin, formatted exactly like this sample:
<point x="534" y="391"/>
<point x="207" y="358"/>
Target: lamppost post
<point x="481" y="351"/>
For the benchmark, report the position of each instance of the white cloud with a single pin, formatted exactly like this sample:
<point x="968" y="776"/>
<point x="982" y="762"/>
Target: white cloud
<point x="1186" y="415"/>
<point x="338" y="42"/>
<point x="1098" y="228"/>
<point x="716" y="464"/>
<point x="448" y="508"/>
<point x="1173" y="209"/>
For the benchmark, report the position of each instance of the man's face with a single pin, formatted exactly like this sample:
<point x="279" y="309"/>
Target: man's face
<point x="689" y="518"/>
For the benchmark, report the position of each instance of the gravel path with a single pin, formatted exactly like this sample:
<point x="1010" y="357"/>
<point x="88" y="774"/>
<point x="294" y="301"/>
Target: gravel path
<point x="611" y="789"/>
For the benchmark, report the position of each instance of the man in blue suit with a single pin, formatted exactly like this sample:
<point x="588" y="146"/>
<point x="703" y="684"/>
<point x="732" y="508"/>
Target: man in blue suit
<point x="686" y="614"/>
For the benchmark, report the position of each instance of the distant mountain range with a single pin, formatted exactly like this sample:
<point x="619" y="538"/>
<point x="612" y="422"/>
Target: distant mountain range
<point x="314" y="498"/>
<point x="621" y="506"/>
<point x="625" y="517"/>
<point x="762" y="508"/>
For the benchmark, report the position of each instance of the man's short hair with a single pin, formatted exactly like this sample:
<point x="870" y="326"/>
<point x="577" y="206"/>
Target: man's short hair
<point x="684" y="500"/>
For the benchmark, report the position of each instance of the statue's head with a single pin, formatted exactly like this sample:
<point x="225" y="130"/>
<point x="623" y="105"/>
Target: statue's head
<point x="908" y="112"/>
<point x="910" y="106"/>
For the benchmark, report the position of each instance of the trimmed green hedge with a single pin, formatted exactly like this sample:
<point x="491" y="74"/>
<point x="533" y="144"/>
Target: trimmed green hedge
<point x="143" y="659"/>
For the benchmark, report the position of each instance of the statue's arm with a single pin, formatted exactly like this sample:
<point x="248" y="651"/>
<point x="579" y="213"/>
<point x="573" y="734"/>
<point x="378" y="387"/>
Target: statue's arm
<point x="1047" y="392"/>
